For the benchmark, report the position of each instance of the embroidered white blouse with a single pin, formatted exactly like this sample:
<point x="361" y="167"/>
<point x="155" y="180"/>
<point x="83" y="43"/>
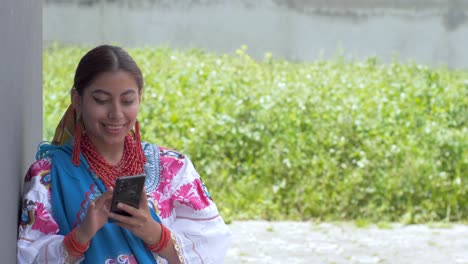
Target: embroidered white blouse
<point x="182" y="201"/>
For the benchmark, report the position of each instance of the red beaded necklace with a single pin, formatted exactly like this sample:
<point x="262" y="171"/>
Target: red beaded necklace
<point x="132" y="161"/>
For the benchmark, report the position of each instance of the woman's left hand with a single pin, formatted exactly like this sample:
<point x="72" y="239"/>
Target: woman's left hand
<point x="140" y="222"/>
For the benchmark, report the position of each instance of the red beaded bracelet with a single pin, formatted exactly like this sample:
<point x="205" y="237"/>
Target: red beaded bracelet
<point x="163" y="241"/>
<point x="74" y="247"/>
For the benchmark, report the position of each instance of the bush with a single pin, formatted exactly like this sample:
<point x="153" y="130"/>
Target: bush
<point x="330" y="139"/>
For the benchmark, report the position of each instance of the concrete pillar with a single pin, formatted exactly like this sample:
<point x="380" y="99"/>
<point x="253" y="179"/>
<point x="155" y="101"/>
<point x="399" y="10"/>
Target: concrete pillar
<point x="20" y="108"/>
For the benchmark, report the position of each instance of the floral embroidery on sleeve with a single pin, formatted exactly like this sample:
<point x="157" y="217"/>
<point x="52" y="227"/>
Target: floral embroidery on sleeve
<point x="171" y="163"/>
<point x="39" y="168"/>
<point x="165" y="207"/>
<point x="35" y="214"/>
<point x="193" y="195"/>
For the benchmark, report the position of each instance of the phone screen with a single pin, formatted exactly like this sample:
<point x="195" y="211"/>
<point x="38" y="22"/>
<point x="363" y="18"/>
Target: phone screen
<point x="127" y="190"/>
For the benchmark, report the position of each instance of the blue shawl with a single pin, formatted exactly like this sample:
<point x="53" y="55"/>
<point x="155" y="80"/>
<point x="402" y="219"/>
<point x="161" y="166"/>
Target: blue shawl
<point x="73" y="188"/>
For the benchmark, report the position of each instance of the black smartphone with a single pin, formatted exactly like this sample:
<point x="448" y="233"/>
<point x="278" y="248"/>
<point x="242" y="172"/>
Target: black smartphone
<point x="127" y="190"/>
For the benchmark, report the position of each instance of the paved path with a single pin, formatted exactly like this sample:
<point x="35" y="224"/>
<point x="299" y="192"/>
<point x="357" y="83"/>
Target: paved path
<point x="307" y="242"/>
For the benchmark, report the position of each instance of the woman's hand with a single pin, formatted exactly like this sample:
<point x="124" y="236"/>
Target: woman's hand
<point x="96" y="217"/>
<point x="140" y="222"/>
<point x="142" y="225"/>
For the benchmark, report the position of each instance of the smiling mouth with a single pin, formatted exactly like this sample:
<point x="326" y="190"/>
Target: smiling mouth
<point x="114" y="126"/>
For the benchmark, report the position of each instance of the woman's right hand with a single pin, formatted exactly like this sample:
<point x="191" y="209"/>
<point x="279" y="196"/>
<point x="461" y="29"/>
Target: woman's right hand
<point x="96" y="217"/>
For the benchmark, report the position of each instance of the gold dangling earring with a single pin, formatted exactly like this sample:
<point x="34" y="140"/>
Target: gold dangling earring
<point x="77" y="145"/>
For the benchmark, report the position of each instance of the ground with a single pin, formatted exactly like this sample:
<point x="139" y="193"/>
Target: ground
<point x="309" y="242"/>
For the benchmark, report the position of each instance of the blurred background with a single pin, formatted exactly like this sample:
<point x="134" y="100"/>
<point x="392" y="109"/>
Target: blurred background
<point x="298" y="114"/>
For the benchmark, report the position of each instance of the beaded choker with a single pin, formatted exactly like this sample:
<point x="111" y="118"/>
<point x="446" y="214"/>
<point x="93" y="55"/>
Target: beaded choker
<point x="132" y="162"/>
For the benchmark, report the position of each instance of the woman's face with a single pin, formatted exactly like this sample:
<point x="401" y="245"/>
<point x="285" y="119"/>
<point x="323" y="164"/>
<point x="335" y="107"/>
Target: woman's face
<point x="109" y="108"/>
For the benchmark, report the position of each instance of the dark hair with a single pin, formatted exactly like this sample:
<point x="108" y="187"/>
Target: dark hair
<point x="103" y="59"/>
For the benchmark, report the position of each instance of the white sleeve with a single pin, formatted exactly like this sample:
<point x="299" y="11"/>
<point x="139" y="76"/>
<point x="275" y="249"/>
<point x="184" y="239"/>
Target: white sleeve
<point x="38" y="241"/>
<point x="198" y="231"/>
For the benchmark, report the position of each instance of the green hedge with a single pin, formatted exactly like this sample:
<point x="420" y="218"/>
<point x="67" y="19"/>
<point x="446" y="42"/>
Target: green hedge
<point x="274" y="139"/>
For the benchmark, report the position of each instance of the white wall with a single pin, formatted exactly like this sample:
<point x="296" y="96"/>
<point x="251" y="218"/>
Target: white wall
<point x="20" y="108"/>
<point x="435" y="33"/>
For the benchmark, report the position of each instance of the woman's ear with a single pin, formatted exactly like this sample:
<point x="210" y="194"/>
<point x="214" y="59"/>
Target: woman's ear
<point x="76" y="100"/>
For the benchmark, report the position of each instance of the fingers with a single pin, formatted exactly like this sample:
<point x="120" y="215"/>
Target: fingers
<point x="127" y="222"/>
<point x="105" y="198"/>
<point x="129" y="209"/>
<point x="136" y="218"/>
<point x="132" y="227"/>
<point x="144" y="199"/>
<point x="109" y="192"/>
<point x="148" y="231"/>
<point x="119" y="218"/>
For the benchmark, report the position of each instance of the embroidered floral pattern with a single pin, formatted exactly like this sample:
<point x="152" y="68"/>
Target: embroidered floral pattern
<point x="35" y="214"/>
<point x="123" y="259"/>
<point x="38" y="168"/>
<point x="164" y="152"/>
<point x="171" y="163"/>
<point x="46" y="179"/>
<point x="167" y="175"/>
<point x="202" y="191"/>
<point x="175" y="179"/>
<point x="192" y="195"/>
<point x="165" y="206"/>
<point x="152" y="204"/>
<point x="152" y="166"/>
<point x="27" y="212"/>
<point x="44" y="222"/>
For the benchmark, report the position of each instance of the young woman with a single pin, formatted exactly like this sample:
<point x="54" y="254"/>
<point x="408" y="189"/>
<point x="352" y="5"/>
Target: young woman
<point x="66" y="214"/>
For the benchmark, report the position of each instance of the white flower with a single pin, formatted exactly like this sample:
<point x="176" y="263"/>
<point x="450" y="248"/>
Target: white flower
<point x="362" y="163"/>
